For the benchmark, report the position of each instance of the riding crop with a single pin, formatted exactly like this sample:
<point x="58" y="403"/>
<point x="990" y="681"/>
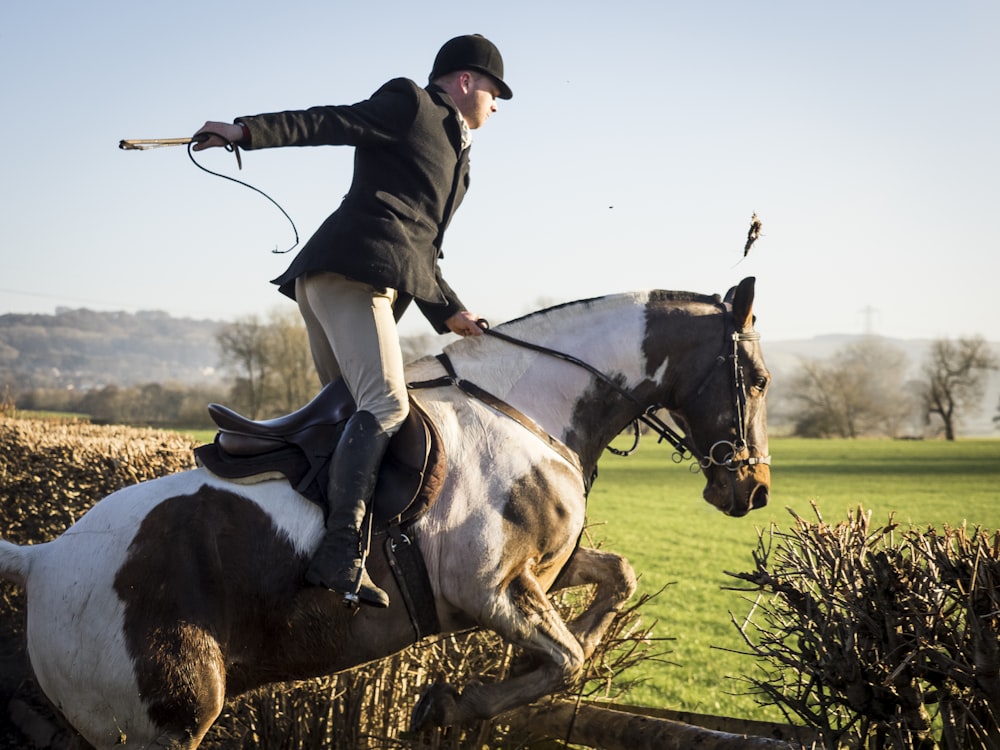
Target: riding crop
<point x="145" y="144"/>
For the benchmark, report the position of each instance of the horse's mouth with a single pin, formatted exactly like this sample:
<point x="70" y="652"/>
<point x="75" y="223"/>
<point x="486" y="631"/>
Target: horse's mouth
<point x="759" y="496"/>
<point x="734" y="503"/>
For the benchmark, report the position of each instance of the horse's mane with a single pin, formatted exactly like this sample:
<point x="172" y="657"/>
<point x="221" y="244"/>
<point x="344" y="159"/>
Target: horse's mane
<point x="655" y="295"/>
<point x="550" y="316"/>
<point x="492" y="365"/>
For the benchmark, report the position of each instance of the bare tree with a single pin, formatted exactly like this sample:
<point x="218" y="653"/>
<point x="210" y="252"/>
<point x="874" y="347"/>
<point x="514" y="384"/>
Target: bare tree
<point x="291" y="379"/>
<point x="819" y="415"/>
<point x="953" y="379"/>
<point x="858" y="391"/>
<point x="273" y="363"/>
<point x="243" y="346"/>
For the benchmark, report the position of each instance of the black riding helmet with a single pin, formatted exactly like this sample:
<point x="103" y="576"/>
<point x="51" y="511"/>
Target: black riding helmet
<point x="471" y="52"/>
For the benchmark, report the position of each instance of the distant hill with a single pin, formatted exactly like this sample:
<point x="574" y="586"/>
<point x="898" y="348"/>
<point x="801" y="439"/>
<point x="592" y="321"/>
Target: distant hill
<point x="84" y="349"/>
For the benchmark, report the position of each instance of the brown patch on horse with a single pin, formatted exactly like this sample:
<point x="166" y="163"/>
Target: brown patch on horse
<point x="601" y="413"/>
<point x="536" y="515"/>
<point x="597" y="417"/>
<point x="661" y="307"/>
<point x="208" y="579"/>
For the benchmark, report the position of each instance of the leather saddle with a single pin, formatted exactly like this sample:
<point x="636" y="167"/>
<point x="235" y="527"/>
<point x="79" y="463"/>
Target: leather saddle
<point x="299" y="446"/>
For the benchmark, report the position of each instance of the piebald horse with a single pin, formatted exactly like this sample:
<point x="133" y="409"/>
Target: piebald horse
<point x="172" y="595"/>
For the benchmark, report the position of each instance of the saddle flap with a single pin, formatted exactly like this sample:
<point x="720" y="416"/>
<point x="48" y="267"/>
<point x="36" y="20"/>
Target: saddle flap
<point x="413" y="460"/>
<point x="240" y="444"/>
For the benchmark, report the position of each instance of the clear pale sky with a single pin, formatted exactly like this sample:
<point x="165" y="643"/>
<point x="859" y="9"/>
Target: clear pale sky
<point x="640" y="139"/>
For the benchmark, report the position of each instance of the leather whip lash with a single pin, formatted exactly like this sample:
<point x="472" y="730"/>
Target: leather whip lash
<point x="144" y="144"/>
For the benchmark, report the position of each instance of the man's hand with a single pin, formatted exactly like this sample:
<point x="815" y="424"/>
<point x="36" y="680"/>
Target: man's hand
<point x="464" y="324"/>
<point x="230" y="131"/>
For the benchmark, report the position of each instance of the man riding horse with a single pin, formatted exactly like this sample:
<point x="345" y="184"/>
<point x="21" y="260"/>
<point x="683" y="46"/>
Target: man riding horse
<point x="378" y="251"/>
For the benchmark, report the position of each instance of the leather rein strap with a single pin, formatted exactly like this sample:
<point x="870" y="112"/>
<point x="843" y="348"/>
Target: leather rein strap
<point x="648" y="415"/>
<point x="682" y="446"/>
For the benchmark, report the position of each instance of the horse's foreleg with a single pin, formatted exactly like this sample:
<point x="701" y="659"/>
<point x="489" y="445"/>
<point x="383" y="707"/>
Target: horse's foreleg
<point x="615" y="582"/>
<point x="524" y="616"/>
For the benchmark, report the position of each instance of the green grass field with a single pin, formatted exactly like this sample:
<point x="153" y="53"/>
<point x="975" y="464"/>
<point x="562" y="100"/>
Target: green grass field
<point x="651" y="510"/>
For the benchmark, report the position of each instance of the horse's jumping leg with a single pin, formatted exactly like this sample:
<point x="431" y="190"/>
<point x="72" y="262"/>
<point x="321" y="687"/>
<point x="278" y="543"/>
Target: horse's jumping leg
<point x="556" y="651"/>
<point x="616" y="583"/>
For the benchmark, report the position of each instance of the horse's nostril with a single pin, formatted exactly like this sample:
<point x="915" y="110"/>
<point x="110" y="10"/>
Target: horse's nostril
<point x="759" y="497"/>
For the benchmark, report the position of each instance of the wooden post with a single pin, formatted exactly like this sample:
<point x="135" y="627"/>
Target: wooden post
<point x="611" y="729"/>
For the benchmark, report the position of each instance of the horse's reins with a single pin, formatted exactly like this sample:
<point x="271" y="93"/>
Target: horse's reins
<point x="648" y="416"/>
<point x="682" y="446"/>
<point x="144" y="144"/>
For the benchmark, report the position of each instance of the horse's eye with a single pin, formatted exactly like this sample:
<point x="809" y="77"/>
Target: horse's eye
<point x="760" y="383"/>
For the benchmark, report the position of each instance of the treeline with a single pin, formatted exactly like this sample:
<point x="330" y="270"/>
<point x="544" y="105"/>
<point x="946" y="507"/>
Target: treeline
<point x="151" y="405"/>
<point x="84" y="349"/>
<point x="268" y="372"/>
<point x="864" y="389"/>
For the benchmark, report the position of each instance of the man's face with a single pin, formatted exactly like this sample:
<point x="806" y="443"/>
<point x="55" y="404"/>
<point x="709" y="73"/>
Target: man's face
<point x="478" y="99"/>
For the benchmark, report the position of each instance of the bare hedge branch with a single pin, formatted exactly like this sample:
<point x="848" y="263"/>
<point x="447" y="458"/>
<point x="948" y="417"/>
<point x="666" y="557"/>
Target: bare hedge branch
<point x="882" y="637"/>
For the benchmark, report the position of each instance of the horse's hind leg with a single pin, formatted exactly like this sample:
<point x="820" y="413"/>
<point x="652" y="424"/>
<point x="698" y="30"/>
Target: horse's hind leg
<point x="524" y="616"/>
<point x="616" y="583"/>
<point x="182" y="679"/>
<point x="556" y="651"/>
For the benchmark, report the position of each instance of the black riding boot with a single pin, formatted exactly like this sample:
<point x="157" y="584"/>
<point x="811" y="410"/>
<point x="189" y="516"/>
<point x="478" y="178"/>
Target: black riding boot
<point x="339" y="562"/>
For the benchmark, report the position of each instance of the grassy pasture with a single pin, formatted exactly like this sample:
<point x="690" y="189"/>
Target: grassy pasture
<point x="650" y="509"/>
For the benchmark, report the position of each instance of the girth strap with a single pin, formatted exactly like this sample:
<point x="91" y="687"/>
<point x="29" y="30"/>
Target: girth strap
<point x="414" y="584"/>
<point x="501" y="406"/>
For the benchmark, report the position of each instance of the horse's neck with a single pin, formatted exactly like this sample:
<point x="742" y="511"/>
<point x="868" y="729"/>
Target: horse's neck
<point x="606" y="333"/>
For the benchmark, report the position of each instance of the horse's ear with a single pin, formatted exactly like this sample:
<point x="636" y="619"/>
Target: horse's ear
<point x="742" y="298"/>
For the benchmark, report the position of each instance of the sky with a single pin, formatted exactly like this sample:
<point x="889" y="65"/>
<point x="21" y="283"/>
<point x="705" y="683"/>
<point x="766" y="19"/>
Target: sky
<point x="641" y="138"/>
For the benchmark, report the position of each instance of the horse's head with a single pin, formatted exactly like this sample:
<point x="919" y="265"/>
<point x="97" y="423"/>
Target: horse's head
<point x="721" y="408"/>
<point x="700" y="360"/>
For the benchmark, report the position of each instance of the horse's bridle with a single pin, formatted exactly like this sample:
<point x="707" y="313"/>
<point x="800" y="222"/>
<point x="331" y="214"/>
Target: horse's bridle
<point x="683" y="447"/>
<point x="739" y="393"/>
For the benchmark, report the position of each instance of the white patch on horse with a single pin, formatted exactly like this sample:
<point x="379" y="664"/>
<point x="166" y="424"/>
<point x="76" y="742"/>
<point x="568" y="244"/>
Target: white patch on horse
<point x="456" y="415"/>
<point x="513" y="372"/>
<point x="661" y="371"/>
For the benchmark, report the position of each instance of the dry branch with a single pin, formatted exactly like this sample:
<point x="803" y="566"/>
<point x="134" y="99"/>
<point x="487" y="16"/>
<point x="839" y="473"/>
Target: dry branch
<point x="879" y="633"/>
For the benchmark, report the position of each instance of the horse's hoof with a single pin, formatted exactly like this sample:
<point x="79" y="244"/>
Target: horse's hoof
<point x="436" y="707"/>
